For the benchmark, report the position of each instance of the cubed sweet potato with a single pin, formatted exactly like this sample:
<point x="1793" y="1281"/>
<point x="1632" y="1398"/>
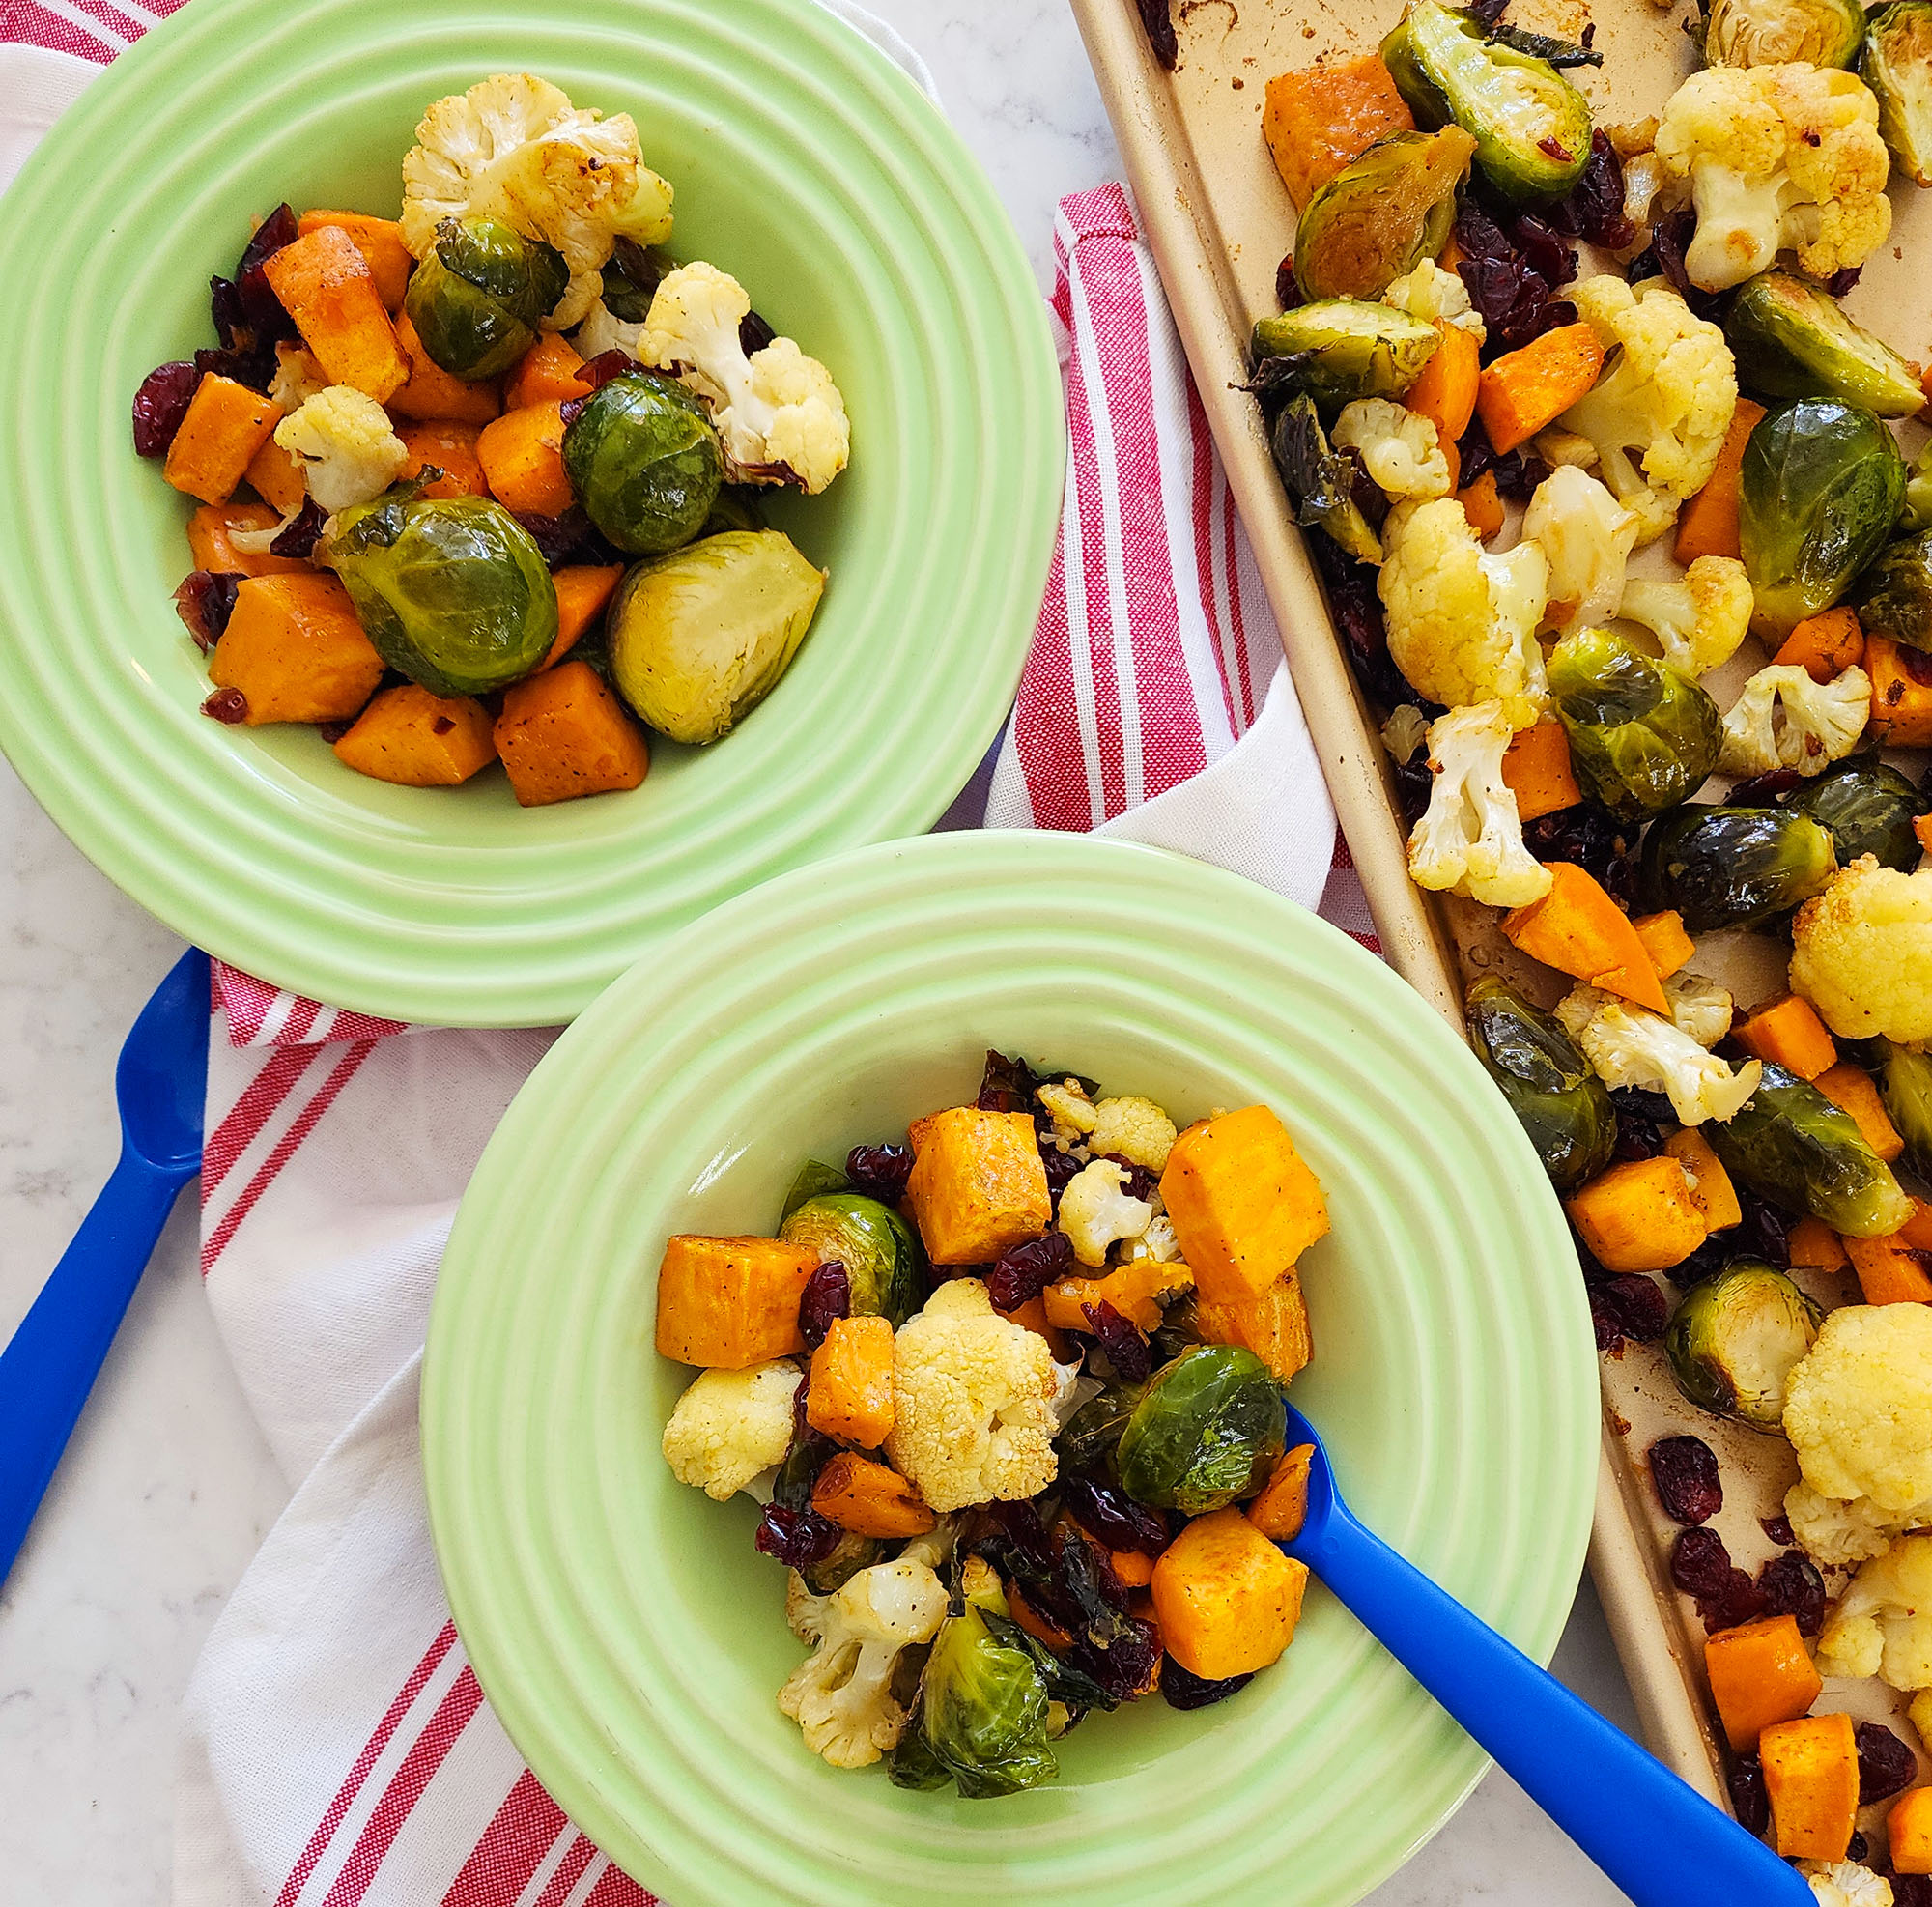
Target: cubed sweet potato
<point x="1908" y="1827"/>
<point x="729" y="1304"/>
<point x="1814" y="1244"/>
<point x="1708" y="524"/>
<point x="379" y="241"/>
<point x="431" y="395"/>
<point x="1639" y="1216"/>
<point x="1890" y="1271"/>
<point x="562" y="734"/>
<point x="1787" y="1032"/>
<point x="1709" y="1184"/>
<point x="1825" y="644"/>
<point x="545" y="374"/>
<point x="1243" y="1203"/>
<point x="1282" y="1507"/>
<point x="295" y="649"/>
<point x="325" y="286"/>
<point x="1534" y="385"/>
<point x="225" y="424"/>
<point x="869" y="1499"/>
<point x="1536" y="770"/>
<point x="1135" y="1291"/>
<point x="522" y="454"/>
<point x="1228" y="1600"/>
<point x="1273" y="1324"/>
<point x="1323" y="118"/>
<point x="278" y="478"/>
<point x="208" y="534"/>
<point x="1580" y="930"/>
<point x="1901" y="693"/>
<point x="978" y="1185"/>
<point x="1811" y="1776"/>
<point x="1483" y="505"/>
<point x="1851" y="1088"/>
<point x="1664" y="940"/>
<point x="1760" y="1673"/>
<point x="418" y="740"/>
<point x="582" y="591"/>
<point x="849" y="1395"/>
<point x="450" y="448"/>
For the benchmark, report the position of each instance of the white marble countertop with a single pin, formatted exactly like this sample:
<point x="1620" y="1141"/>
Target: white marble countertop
<point x="168" y="1488"/>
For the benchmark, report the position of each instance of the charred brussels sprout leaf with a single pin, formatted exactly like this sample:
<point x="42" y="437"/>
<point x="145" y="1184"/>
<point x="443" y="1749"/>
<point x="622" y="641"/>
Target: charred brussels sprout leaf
<point x="477" y="299"/>
<point x="913" y="1765"/>
<point x="1792" y="1146"/>
<point x="1734" y="866"/>
<point x="884" y="1264"/>
<point x="1868" y="808"/>
<point x="1561" y="1105"/>
<point x="814" y="1176"/>
<point x="1206" y="1431"/>
<point x="1340" y="349"/>
<point x="454" y="591"/>
<point x="699" y="637"/>
<point x="1894" y="594"/>
<point x="1905" y="1082"/>
<point x="983" y="1711"/>
<point x="1531" y="126"/>
<point x="1896" y="63"/>
<point x="1820" y="489"/>
<point x="851" y="1553"/>
<point x="631" y="278"/>
<point x="1769" y="33"/>
<point x="1790" y="339"/>
<point x="1642" y="737"/>
<point x="1733" y="1340"/>
<point x="1321" y="481"/>
<point x="1382" y="215"/>
<point x="644" y="461"/>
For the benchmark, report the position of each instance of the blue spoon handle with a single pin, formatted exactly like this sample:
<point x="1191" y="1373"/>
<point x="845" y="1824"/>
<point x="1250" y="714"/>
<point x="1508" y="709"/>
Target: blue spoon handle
<point x="50" y="1365"/>
<point x="1660" y="1841"/>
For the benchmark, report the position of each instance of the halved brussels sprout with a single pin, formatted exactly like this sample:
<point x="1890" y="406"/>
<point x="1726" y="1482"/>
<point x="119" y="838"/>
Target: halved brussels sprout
<point x="477" y="299"/>
<point x="1562" y="1105"/>
<point x="1726" y="868"/>
<point x="1896" y="63"/>
<point x="1916" y="513"/>
<point x="1868" y="807"/>
<point x="644" y="461"/>
<point x="1791" y="1145"/>
<point x="1382" y="215"/>
<point x="1820" y="489"/>
<point x="701" y="637"/>
<point x="1089" y="1438"/>
<point x="851" y="1553"/>
<point x="1906" y="1083"/>
<point x="1339" y="348"/>
<point x="885" y="1266"/>
<point x="1893" y="596"/>
<point x="1321" y="481"/>
<point x="1642" y="737"/>
<point x="1531" y="126"/>
<point x="1769" y="33"/>
<point x="982" y="1708"/>
<point x="1207" y="1430"/>
<point x="1734" y="1340"/>
<point x="1790" y="339"/>
<point x="454" y="591"/>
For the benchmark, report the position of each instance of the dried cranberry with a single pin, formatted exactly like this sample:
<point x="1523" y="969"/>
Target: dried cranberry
<point x="1126" y="1667"/>
<point x="753" y="333"/>
<point x="605" y="365"/>
<point x="1706" y="1261"/>
<point x="1792" y="1586"/>
<point x="569" y="538"/>
<point x="1488" y="12"/>
<point x="1886" y="1765"/>
<point x="1062" y="1169"/>
<point x="1126" y="1350"/>
<point x="303" y="534"/>
<point x="1840" y="283"/>
<point x="204" y="601"/>
<point x="1638" y="1136"/>
<point x="1008" y="1085"/>
<point x="1670" y="239"/>
<point x="1026" y="1271"/>
<point x="880" y="1172"/>
<point x="1751" y="1800"/>
<point x="1627" y="1306"/>
<point x="1157" y="21"/>
<point x="1766" y="1231"/>
<point x="1112" y="1516"/>
<point x="570" y="410"/>
<point x="333" y="733"/>
<point x="795" y="1538"/>
<point x="1761" y="790"/>
<point x="161" y="405"/>
<point x="1180" y="1688"/>
<point x="1858" y="1848"/>
<point x="229" y="705"/>
<point x="1594" y="210"/>
<point x="1287" y="288"/>
<point x="1595" y="841"/>
<point x="1685" y="1471"/>
<point x="1700" y="1562"/>
<point x="1511" y="270"/>
<point x="1779" y="1529"/>
<point x="827" y="1298"/>
<point x="1911" y="1890"/>
<point x="1357" y="612"/>
<point x="1139" y="1183"/>
<point x="1414" y="786"/>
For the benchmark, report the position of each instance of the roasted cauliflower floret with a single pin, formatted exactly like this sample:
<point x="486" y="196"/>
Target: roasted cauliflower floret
<point x="1469" y="839"/>
<point x="603" y="331"/>
<point x="1783" y="719"/>
<point x="1134" y="1130"/>
<point x="1845" y="1884"/>
<point x="1462" y="622"/>
<point x="1778" y="157"/>
<point x="1881" y="1625"/>
<point x="1072" y="1112"/>
<point x="779" y="415"/>
<point x="1658" y="412"/>
<point x="1857" y="1407"/>
<point x="972" y="1395"/>
<point x="1861" y="953"/>
<point x="1097" y="1210"/>
<point x="730" y="1426"/>
<point x="1700" y="1007"/>
<point x="1699" y="617"/>
<point x="1588" y="536"/>
<point x="1837" y="1532"/>
<point x="297" y="376"/>
<point x="1630" y="1045"/>
<point x="1398" y="449"/>
<point x="514" y="148"/>
<point x="347" y="450"/>
<point x="1430" y="293"/>
<point x="841" y="1694"/>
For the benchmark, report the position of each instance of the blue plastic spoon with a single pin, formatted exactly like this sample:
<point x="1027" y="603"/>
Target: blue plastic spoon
<point x="50" y="1365"/>
<point x="1658" y="1839"/>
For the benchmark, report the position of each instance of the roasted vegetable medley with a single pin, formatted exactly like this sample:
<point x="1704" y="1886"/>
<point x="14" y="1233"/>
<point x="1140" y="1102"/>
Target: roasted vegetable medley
<point x="482" y="483"/>
<point x="1010" y="1393"/>
<point x="1522" y="355"/>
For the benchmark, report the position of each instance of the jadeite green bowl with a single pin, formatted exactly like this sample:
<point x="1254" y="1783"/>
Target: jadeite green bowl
<point x="805" y="162"/>
<point x="623" y="1628"/>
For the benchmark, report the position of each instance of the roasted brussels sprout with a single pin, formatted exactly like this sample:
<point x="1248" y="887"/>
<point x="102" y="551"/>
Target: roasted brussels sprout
<point x="630" y="278"/>
<point x="699" y="637"/>
<point x="644" y="461"/>
<point x="477" y="299"/>
<point x="1733" y="1340"/>
<point x="1819" y="488"/>
<point x="1868" y="807"/>
<point x="1206" y="1431"/>
<point x="812" y="1179"/>
<point x="1090" y="1438"/>
<point x="1734" y="866"/>
<point x="851" y="1553"/>
<point x="1905" y="1082"/>
<point x="1531" y="126"/>
<point x="1790" y="339"/>
<point x="1769" y="33"/>
<point x="1918" y="511"/>
<point x="1382" y="215"/>
<point x="1562" y="1105"/>
<point x="982" y="1707"/>
<point x="1642" y="737"/>
<point x="1340" y="349"/>
<point x="454" y="591"/>
<point x="1321" y="481"/>
<point x="1894" y="594"/>
<point x="1792" y="1146"/>
<point x="1896" y="63"/>
<point x="884" y="1266"/>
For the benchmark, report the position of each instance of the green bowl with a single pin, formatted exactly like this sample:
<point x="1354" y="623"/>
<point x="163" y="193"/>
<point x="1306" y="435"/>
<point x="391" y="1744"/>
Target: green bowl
<point x="624" y="1630"/>
<point x="806" y="162"/>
